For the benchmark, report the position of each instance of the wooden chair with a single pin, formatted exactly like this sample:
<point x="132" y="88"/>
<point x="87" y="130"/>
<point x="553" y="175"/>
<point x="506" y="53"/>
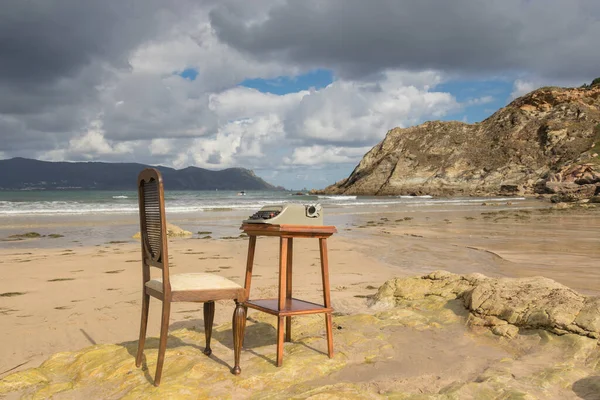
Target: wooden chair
<point x="192" y="287"/>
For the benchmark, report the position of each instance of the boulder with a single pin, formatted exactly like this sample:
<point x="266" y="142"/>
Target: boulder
<point x="564" y="198"/>
<point x="532" y="303"/>
<point x="566" y="192"/>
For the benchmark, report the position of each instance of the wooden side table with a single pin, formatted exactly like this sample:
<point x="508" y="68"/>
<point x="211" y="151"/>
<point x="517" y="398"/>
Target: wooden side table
<point x="285" y="306"/>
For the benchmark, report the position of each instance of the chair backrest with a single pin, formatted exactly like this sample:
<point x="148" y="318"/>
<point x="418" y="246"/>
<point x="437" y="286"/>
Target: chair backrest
<point x="153" y="224"/>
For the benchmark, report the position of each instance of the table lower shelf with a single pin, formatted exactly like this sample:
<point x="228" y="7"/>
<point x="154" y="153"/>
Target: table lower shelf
<point x="292" y="307"/>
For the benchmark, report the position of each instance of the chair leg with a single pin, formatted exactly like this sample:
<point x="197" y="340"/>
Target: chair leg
<point x="209" y="317"/>
<point x="143" y="326"/>
<point x="245" y="317"/>
<point x="239" y="325"/>
<point x="162" y="345"/>
<point x="328" y="325"/>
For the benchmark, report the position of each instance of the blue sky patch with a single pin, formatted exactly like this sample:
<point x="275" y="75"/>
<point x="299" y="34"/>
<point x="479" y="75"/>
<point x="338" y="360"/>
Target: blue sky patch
<point x="281" y="85"/>
<point x="188" y="73"/>
<point x="481" y="98"/>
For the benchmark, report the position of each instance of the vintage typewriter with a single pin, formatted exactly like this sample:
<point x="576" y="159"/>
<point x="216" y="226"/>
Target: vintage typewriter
<point x="288" y="214"/>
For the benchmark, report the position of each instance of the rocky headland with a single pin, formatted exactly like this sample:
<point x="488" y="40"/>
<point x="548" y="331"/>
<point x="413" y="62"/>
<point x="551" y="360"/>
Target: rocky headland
<point x="544" y="143"/>
<point x="437" y="336"/>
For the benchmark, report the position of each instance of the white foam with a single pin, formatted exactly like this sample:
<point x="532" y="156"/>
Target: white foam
<point x="343" y="198"/>
<point x="191" y="202"/>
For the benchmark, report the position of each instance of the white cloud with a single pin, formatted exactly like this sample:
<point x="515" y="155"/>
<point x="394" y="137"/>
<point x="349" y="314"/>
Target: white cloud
<point x="164" y="119"/>
<point x="521" y="87"/>
<point x="237" y="143"/>
<point x="160" y="147"/>
<point x="90" y="145"/>
<point x="243" y="102"/>
<point x="361" y="112"/>
<point x="196" y="46"/>
<point x="318" y="155"/>
<point x="479" y="101"/>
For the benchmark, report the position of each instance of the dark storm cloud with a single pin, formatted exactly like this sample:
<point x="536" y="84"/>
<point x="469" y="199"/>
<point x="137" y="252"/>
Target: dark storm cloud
<point x="46" y="46"/>
<point x="42" y="40"/>
<point x="56" y="54"/>
<point x="553" y="38"/>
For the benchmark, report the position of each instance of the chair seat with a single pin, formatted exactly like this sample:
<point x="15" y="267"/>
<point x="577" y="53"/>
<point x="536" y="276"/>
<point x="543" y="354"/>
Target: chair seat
<point x="193" y="282"/>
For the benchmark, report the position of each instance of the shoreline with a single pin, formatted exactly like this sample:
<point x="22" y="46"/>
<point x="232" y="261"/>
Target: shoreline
<point x="93" y="229"/>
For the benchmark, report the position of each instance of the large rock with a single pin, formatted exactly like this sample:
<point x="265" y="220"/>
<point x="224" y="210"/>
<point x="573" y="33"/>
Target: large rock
<point x="525" y="302"/>
<point x="551" y="134"/>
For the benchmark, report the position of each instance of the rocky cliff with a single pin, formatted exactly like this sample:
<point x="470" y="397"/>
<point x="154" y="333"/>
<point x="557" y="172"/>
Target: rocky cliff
<point x="544" y="142"/>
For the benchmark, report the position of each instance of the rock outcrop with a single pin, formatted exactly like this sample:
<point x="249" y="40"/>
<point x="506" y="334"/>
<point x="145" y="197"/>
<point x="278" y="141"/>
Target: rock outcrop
<point x="504" y="304"/>
<point x="547" y="141"/>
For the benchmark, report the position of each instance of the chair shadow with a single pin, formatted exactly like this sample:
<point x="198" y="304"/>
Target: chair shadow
<point x="587" y="388"/>
<point x="257" y="334"/>
<point x="172" y="342"/>
<point x="312" y="348"/>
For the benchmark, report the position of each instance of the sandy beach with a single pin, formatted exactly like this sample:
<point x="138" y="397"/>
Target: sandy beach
<point x="74" y="295"/>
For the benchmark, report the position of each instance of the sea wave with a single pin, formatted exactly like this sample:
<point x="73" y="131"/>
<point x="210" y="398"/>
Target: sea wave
<point x="343" y="198"/>
<point x="80" y="209"/>
<point x="181" y="205"/>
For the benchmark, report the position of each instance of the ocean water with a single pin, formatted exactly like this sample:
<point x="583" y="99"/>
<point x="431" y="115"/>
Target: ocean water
<point x="99" y="217"/>
<point x="57" y="203"/>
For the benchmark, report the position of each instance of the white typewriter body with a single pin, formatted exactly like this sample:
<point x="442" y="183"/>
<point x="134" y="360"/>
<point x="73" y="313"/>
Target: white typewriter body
<point x="288" y="214"/>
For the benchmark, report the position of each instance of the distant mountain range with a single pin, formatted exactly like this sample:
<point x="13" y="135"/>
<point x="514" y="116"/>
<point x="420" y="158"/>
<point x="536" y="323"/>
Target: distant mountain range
<point x="23" y="173"/>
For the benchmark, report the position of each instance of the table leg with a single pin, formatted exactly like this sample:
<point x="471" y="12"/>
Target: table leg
<point x="283" y="251"/>
<point x="249" y="265"/>
<point x="288" y="292"/>
<point x="280" y="340"/>
<point x="328" y="325"/>
<point x="326" y="294"/>
<point x="283" y="255"/>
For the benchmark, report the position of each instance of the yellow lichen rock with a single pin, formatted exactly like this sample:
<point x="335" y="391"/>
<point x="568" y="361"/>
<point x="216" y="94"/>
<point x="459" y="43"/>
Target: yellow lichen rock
<point x="535" y="302"/>
<point x="108" y="371"/>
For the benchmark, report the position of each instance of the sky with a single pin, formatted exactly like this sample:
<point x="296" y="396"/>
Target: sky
<point x="297" y="91"/>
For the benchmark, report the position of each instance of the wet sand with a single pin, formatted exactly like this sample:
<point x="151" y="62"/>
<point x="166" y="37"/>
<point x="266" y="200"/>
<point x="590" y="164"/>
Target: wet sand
<point x="563" y="245"/>
<point x="58" y="298"/>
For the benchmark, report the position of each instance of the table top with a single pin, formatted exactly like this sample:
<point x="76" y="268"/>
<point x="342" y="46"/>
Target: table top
<point x="317" y="231"/>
